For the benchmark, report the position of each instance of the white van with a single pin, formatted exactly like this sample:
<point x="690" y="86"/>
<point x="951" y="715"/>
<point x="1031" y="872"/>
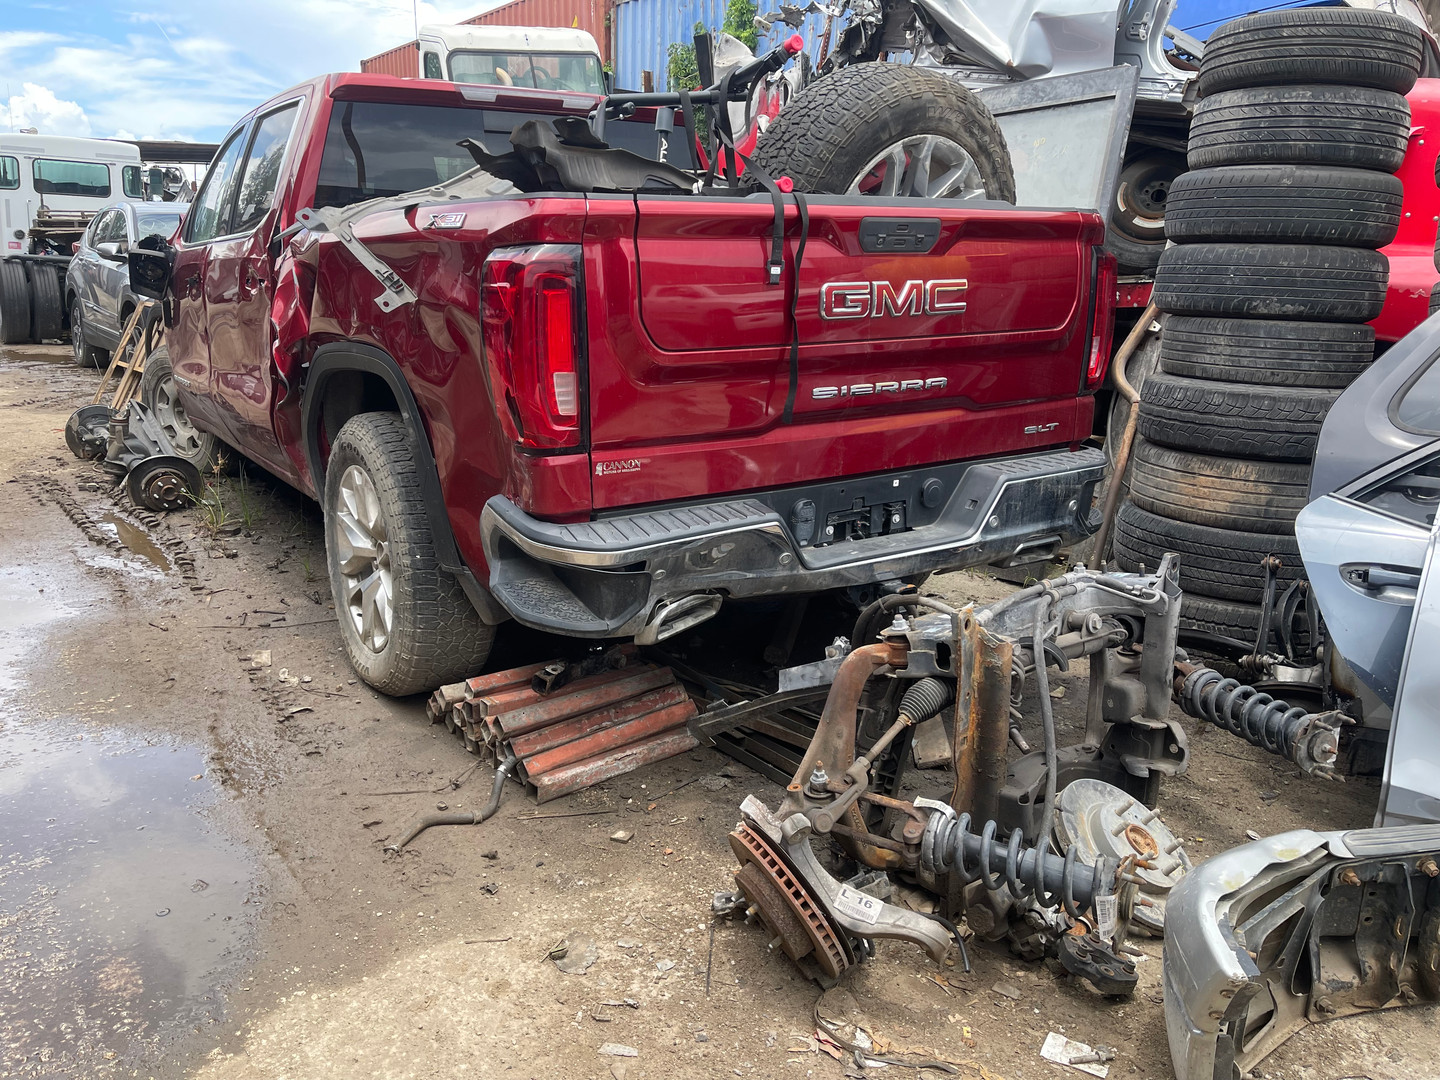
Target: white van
<point x="51" y="186"/>
<point x="535" y="57"/>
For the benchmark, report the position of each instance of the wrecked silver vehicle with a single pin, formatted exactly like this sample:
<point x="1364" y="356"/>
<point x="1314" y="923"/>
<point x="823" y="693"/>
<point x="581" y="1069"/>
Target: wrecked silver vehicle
<point x="1305" y="926"/>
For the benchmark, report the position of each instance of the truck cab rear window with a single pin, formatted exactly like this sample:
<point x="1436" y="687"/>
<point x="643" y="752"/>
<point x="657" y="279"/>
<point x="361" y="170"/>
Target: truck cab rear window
<point x="87" y="179"/>
<point x="374" y="150"/>
<point x="9" y="173"/>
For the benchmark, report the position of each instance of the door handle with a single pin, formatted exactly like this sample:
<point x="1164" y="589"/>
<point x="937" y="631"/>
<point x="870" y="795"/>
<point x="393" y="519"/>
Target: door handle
<point x="1391" y="584"/>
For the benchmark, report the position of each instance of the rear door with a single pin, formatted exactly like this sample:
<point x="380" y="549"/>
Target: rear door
<point x="927" y="334"/>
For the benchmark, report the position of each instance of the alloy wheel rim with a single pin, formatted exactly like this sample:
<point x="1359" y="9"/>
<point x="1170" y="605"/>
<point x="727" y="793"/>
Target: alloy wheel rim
<point x="77" y="335"/>
<point x="183" y="435"/>
<point x="921" y="167"/>
<point x="363" y="551"/>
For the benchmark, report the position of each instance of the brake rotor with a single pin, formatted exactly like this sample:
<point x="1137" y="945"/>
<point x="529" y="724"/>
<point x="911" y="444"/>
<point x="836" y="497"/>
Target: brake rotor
<point x="164" y="482"/>
<point x="1102" y="820"/>
<point x="87" y="431"/>
<point x="785" y="906"/>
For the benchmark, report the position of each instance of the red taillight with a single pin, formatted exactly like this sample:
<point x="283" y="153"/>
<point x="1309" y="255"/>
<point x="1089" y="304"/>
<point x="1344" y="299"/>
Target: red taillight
<point x="531" y="319"/>
<point x="1107" y="284"/>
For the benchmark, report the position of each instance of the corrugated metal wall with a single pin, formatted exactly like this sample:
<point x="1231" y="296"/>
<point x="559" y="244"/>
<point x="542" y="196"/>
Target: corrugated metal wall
<point x="589" y="15"/>
<point x="645" y="29"/>
<point x="402" y="60"/>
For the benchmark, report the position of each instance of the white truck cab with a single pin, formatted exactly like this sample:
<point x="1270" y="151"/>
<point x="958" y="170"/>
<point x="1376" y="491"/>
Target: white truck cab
<point x="67" y="177"/>
<point x="536" y="57"/>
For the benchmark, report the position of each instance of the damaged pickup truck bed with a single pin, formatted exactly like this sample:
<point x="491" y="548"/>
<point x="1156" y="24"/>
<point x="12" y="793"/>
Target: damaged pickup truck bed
<point x="603" y="407"/>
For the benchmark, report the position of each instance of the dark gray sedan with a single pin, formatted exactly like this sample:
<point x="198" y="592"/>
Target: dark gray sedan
<point x="97" y="284"/>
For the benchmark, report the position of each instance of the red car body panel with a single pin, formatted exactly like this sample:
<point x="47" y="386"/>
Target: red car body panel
<point x="1412" y="253"/>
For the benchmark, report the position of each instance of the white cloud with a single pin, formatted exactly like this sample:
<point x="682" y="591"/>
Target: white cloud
<point x="38" y="107"/>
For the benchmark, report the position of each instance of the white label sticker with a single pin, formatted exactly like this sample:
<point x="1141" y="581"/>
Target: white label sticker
<point x="857" y="905"/>
<point x="1105" y="907"/>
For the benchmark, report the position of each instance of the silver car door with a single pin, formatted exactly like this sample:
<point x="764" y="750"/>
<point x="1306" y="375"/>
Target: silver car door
<point x="1410" y="792"/>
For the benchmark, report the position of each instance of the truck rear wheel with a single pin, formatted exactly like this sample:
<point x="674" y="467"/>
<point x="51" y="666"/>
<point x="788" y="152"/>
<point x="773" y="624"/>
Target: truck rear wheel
<point x="889" y="130"/>
<point x="47" y="304"/>
<point x="406" y="623"/>
<point x="14" y="304"/>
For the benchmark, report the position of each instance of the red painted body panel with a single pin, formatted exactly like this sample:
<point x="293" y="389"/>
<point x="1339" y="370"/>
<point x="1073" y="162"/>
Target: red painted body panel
<point x="686" y="363"/>
<point x="1412" y="254"/>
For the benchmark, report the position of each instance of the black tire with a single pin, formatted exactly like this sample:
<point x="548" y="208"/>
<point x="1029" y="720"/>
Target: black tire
<point x="86" y="355"/>
<point x="1301" y="125"/>
<point x="1339" y="45"/>
<point x="1266" y="352"/>
<point x="1272" y="281"/>
<point x="47" y="304"/>
<point x="14" y="303"/>
<point x="1285" y="204"/>
<point x="1434" y="298"/>
<point x="1230" y="618"/>
<point x="1222" y="492"/>
<point x="1136" y="230"/>
<point x="435" y="636"/>
<point x="1221" y="563"/>
<point x="160" y="395"/>
<point x="1233" y="419"/>
<point x="831" y="132"/>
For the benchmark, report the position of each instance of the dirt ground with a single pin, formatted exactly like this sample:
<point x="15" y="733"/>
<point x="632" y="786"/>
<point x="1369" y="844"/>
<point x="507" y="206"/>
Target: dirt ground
<point x="195" y="792"/>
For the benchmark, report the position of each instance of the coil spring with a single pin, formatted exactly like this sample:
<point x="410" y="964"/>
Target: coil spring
<point x="1244" y="711"/>
<point x="1052" y="880"/>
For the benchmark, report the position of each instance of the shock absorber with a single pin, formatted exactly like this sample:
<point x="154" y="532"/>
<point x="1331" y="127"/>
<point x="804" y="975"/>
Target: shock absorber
<point x="949" y="843"/>
<point x="1310" y="740"/>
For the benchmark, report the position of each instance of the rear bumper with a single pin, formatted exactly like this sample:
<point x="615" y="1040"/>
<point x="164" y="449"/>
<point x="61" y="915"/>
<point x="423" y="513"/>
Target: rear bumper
<point x="652" y="574"/>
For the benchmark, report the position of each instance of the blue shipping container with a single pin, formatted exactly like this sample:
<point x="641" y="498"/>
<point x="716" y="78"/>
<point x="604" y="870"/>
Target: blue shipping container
<point x="644" y="30"/>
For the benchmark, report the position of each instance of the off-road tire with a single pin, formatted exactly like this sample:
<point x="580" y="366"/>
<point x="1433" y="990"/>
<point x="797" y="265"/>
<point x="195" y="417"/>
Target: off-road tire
<point x="1338" y="45"/>
<point x="159" y="395"/>
<point x="838" y="123"/>
<point x="1272" y="281"/>
<point x="1231" y="619"/>
<point x="1233" y="419"/>
<point x="14" y="303"/>
<point x="436" y="637"/>
<point x="47" y="304"/>
<point x="1285" y="204"/>
<point x="1348" y="126"/>
<point x="1266" y="352"/>
<point x="86" y="355"/>
<point x="1221" y="492"/>
<point x="1221" y="563"/>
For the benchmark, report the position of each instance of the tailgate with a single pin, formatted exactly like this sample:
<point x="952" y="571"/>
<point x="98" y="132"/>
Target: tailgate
<point x="928" y="333"/>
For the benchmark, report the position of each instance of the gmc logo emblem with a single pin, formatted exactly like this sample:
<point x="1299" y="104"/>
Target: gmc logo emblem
<point x="877" y="299"/>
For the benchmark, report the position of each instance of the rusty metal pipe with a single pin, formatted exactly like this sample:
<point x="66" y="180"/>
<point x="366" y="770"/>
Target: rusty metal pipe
<point x="1127" y="440"/>
<point x="992" y="705"/>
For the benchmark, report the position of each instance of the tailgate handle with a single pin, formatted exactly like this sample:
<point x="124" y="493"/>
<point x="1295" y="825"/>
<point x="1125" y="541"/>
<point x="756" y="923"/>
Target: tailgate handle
<point x="915" y="236"/>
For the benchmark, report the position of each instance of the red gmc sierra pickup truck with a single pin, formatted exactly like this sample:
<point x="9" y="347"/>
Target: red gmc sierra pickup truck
<point x="602" y="402"/>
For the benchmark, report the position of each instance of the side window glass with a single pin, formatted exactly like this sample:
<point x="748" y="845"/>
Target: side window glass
<point x="131" y="183"/>
<point x="262" y="168"/>
<point x="9" y="173"/>
<point x="113" y="228"/>
<point x="1413" y="495"/>
<point x="1418" y="409"/>
<point x="432" y="66"/>
<point x="212" y="205"/>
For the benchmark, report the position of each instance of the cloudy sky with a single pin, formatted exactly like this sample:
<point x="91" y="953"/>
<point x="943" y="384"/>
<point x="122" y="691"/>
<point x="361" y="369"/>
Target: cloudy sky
<point x="184" y="70"/>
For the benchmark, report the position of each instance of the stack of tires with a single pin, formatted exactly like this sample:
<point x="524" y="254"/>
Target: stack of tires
<point x="1267" y="288"/>
<point x="31" y="309"/>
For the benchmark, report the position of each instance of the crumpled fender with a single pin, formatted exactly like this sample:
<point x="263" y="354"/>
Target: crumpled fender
<point x="295" y="273"/>
<point x="1295" y="929"/>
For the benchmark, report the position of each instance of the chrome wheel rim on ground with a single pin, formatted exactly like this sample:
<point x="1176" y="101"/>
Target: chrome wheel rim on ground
<point x="183" y="435"/>
<point x="363" y="549"/>
<point x="921" y="167"/>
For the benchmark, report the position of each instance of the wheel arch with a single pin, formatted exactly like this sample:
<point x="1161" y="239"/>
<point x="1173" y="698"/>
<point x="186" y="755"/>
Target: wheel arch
<point x="347" y="378"/>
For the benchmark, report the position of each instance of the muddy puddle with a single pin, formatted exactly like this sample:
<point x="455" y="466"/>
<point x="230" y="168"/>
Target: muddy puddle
<point x="123" y="907"/>
<point x="136" y="539"/>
